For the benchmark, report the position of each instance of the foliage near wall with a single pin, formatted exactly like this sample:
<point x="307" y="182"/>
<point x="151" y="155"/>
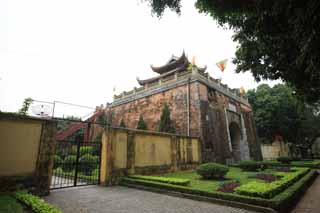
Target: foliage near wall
<point x="279" y="111"/>
<point x="142" y="124"/>
<point x="166" y="124"/>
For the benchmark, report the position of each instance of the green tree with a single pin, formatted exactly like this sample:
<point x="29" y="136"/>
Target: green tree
<point x="277" y="39"/>
<point x="165" y="124"/>
<point x="122" y="124"/>
<point x="25" y="106"/>
<point x="142" y="124"/>
<point x="278" y="110"/>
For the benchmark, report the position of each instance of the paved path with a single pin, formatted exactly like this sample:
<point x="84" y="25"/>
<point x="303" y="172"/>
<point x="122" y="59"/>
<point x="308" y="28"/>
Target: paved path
<point x="310" y="202"/>
<point x="121" y="199"/>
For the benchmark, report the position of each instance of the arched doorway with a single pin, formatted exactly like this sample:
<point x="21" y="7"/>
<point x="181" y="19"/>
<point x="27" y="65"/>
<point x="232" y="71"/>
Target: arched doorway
<point x="235" y="137"/>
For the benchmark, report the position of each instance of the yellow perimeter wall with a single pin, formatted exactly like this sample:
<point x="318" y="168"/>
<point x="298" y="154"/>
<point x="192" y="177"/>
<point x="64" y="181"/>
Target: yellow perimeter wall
<point x="143" y="152"/>
<point x="152" y="150"/>
<point x="19" y="142"/>
<point x="274" y="150"/>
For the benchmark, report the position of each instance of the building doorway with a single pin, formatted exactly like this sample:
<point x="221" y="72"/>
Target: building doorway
<point x="235" y="138"/>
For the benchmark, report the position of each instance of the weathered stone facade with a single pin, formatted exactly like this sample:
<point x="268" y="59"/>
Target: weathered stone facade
<point x="199" y="105"/>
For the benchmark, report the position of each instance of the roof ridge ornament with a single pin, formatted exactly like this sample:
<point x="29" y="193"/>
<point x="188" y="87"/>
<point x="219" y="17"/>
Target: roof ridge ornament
<point x="171" y="64"/>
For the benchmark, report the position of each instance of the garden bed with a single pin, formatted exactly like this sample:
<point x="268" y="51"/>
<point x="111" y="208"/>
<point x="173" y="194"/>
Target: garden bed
<point x="23" y="202"/>
<point x="314" y="164"/>
<point x="281" y="197"/>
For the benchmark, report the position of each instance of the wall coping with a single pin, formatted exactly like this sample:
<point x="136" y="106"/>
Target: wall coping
<point x="183" y="80"/>
<point x="149" y="132"/>
<point x="15" y="116"/>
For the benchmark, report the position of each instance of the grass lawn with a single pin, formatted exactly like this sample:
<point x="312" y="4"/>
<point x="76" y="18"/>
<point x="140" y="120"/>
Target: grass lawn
<point x="212" y="185"/>
<point x="9" y="204"/>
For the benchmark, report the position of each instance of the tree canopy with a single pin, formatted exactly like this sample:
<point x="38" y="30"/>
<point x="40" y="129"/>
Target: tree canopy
<point x="277" y="39"/>
<point x="123" y="124"/>
<point x="278" y="111"/>
<point x="25" y="106"/>
<point x="142" y="124"/>
<point x="166" y="124"/>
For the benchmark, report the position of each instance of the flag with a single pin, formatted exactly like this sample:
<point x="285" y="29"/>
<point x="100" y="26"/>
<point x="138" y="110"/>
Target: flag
<point x="114" y="89"/>
<point x="242" y="91"/>
<point x="222" y="64"/>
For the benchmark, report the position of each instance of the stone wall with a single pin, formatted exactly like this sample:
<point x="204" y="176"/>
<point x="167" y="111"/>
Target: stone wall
<point x="127" y="151"/>
<point x="26" y="152"/>
<point x="274" y="150"/>
<point x="210" y="115"/>
<point x="151" y="106"/>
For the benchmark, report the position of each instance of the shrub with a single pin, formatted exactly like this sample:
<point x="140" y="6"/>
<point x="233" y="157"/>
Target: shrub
<point x="57" y="161"/>
<point x="38" y="205"/>
<point x="174" y="181"/>
<point x="142" y="124"/>
<point x="166" y="124"/>
<point x="250" y="165"/>
<point x="88" y="163"/>
<point x="122" y="124"/>
<point x="212" y="171"/>
<point x="69" y="162"/>
<point x="285" y="160"/>
<point x="9" y="204"/>
<point x="282" y="201"/>
<point x="269" y="190"/>
<point x="86" y="150"/>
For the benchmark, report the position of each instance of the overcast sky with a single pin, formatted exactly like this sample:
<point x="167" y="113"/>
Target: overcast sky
<point x="78" y="50"/>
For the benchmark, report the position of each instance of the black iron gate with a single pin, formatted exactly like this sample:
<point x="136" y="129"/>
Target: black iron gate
<point x="76" y="164"/>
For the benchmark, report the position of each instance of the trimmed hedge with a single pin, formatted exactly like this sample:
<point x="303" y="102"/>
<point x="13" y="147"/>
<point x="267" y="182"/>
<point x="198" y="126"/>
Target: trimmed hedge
<point x="68" y="163"/>
<point x="57" y="161"/>
<point x="284" y="160"/>
<point x="315" y="164"/>
<point x="212" y="170"/>
<point x="38" y="205"/>
<point x="269" y="190"/>
<point x="84" y="150"/>
<point x="286" y="200"/>
<point x="250" y="165"/>
<point x="282" y="201"/>
<point x="88" y="163"/>
<point x="10" y="204"/>
<point x="174" y="181"/>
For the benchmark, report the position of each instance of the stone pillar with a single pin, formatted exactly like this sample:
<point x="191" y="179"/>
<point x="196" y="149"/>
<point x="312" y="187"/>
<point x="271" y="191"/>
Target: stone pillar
<point x="130" y="153"/>
<point x="44" y="167"/>
<point x="104" y="169"/>
<point x="227" y="127"/>
<point x="174" y="141"/>
<point x="244" y="147"/>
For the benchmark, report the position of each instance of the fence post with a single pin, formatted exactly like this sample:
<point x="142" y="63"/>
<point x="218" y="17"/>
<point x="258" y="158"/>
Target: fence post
<point x="77" y="164"/>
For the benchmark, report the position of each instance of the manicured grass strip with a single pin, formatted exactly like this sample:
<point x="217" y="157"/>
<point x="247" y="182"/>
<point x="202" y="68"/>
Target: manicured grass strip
<point x="269" y="190"/>
<point x="174" y="181"/>
<point x="38" y="205"/>
<point x="9" y="204"/>
<point x="282" y="201"/>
